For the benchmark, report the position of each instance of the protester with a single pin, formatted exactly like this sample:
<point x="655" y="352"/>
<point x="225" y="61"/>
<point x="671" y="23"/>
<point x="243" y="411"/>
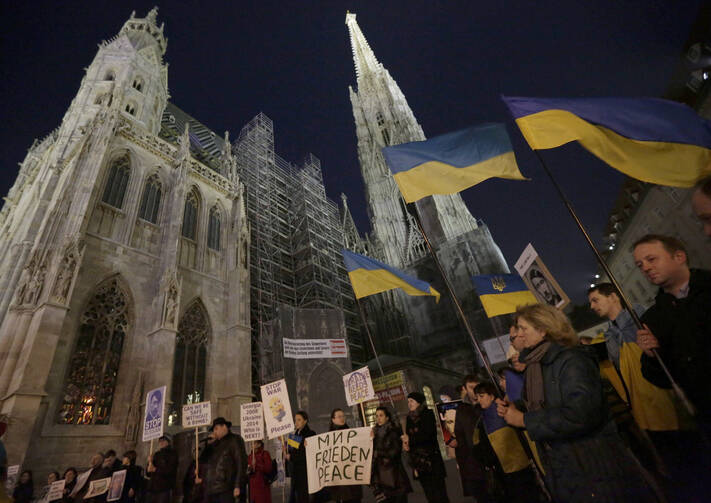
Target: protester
<point x="70" y="480"/>
<point x="701" y="204"/>
<point x="420" y="441"/>
<point x="296" y="459"/>
<point x="194" y="484"/>
<point x="389" y="480"/>
<point x="134" y="482"/>
<point x="98" y="471"/>
<point x="111" y="462"/>
<point x="23" y="490"/>
<point x="350" y="493"/>
<point x="226" y="464"/>
<point x="565" y="413"/>
<point x="259" y="466"/>
<point x="52" y="478"/>
<point x="162" y="472"/>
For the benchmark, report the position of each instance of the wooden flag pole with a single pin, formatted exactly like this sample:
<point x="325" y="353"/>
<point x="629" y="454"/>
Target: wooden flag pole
<point x="362" y="411"/>
<point x="283" y="461"/>
<point x="196" y="452"/>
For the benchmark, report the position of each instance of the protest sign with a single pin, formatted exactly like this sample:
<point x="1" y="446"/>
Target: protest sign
<point x="197" y="414"/>
<point x="56" y="490"/>
<point x="81" y="482"/>
<point x="539" y="279"/>
<point x="153" y="417"/>
<point x="13" y="473"/>
<point x="252" y="421"/>
<point x="339" y="458"/>
<point x="277" y="409"/>
<point x="358" y="386"/>
<point x="118" y="479"/>
<point x="97" y="487"/>
<point x="302" y="349"/>
<point x="496" y="348"/>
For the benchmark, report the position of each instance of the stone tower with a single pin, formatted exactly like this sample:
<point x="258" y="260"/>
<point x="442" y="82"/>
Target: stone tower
<point x="124" y="266"/>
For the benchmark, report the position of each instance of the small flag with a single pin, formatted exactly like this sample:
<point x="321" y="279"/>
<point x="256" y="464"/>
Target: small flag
<point x="650" y="139"/>
<point x="368" y="277"/>
<point x="502" y="293"/>
<point x="504" y="441"/>
<point x="294" y="440"/>
<point x="452" y="162"/>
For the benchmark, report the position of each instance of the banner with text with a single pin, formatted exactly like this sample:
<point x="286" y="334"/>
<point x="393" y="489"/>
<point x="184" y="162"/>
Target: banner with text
<point x="252" y="421"/>
<point x="339" y="458"/>
<point x="358" y="386"/>
<point x="197" y="414"/>
<point x="302" y="349"/>
<point x="277" y="409"/>
<point x="153" y="416"/>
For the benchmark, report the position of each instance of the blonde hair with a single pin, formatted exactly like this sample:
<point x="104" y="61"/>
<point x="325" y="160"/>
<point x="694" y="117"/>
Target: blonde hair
<point x="550" y="320"/>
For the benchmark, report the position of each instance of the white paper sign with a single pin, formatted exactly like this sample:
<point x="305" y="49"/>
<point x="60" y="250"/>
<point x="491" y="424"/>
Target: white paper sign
<point x="496" y="349"/>
<point x="339" y="458"/>
<point x="13" y="473"/>
<point x="153" y="417"/>
<point x="302" y="349"/>
<point x="277" y="409"/>
<point x="197" y="414"/>
<point x="56" y="490"/>
<point x="97" y="487"/>
<point x="252" y="421"/>
<point x="358" y="386"/>
<point x="118" y="479"/>
<point x="81" y="482"/>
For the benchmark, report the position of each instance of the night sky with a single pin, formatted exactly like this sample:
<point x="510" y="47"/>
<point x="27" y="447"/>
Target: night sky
<point x="292" y="61"/>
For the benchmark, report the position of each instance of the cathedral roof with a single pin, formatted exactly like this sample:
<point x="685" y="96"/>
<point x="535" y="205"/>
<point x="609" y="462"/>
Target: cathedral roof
<point x="205" y="145"/>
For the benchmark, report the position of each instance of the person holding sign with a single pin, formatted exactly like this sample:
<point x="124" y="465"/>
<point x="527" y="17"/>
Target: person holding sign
<point x="420" y="441"/>
<point x="343" y="494"/>
<point x="162" y="472"/>
<point x="24" y="488"/>
<point x="296" y="458"/>
<point x="70" y="480"/>
<point x="226" y="464"/>
<point x="259" y="467"/>
<point x="389" y="478"/>
<point x="133" y="485"/>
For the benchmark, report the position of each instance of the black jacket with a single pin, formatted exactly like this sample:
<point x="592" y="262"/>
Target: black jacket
<point x="165" y="476"/>
<point x="470" y="457"/>
<point x="388" y="474"/>
<point x="345" y="493"/>
<point x="683" y="328"/>
<point x="424" y="449"/>
<point x="296" y="466"/>
<point x="135" y="481"/>
<point x="226" y="465"/>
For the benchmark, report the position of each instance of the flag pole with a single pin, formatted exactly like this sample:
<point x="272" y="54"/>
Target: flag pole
<point x="625" y="301"/>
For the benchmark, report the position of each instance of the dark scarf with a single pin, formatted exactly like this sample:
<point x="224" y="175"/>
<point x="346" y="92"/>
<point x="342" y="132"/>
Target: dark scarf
<point x="535" y="394"/>
<point x="415" y="414"/>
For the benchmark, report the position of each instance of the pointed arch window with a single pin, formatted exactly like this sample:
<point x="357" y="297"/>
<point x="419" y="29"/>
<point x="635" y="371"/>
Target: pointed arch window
<point x="190" y="216"/>
<point x="116" y="184"/>
<point x="88" y="391"/>
<point x="213" y="229"/>
<point x="190" y="362"/>
<point x="150" y="202"/>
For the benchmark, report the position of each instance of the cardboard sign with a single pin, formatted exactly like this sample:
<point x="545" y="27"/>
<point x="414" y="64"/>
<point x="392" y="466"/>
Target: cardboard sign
<point x="302" y="349"/>
<point x="539" y="279"/>
<point x="251" y="421"/>
<point x="13" y="473"/>
<point x="358" y="386"/>
<point x="339" y="458"/>
<point x="97" y="487"/>
<point x="118" y="479"/>
<point x="56" y="490"/>
<point x="277" y="409"/>
<point x="197" y="414"/>
<point x="153" y="416"/>
<point x="81" y="482"/>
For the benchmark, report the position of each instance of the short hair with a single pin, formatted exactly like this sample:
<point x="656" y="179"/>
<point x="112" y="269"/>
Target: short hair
<point x="550" y="320"/>
<point x="70" y="469"/>
<point x="670" y="244"/>
<point x="476" y="377"/>
<point x="704" y="186"/>
<point x="605" y="289"/>
<point x="110" y="453"/>
<point x="56" y="474"/>
<point x="303" y="414"/>
<point x="131" y="455"/>
<point x="485" y="388"/>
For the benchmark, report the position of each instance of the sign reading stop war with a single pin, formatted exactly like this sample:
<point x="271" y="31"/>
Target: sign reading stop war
<point x="277" y="409"/>
<point x="339" y="458"/>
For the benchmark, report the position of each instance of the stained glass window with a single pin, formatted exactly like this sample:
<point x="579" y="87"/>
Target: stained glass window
<point x="190" y="358"/>
<point x="93" y="368"/>
<point x="213" y="229"/>
<point x="190" y="215"/>
<point x="117" y="181"/>
<point x="150" y="203"/>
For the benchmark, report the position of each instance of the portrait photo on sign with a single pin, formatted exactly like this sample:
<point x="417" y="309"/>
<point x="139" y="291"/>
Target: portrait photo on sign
<point x="539" y="279"/>
<point x="153" y="416"/>
<point x="118" y="479"/>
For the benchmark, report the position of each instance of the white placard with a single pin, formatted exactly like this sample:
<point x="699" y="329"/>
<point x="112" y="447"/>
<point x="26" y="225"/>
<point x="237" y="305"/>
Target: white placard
<point x="496" y="349"/>
<point x="13" y="473"/>
<point x="118" y="479"/>
<point x="56" y="490"/>
<point x="251" y="421"/>
<point x="539" y="279"/>
<point x="197" y="414"/>
<point x="277" y="409"/>
<point x="339" y="458"/>
<point x="302" y="349"/>
<point x="81" y="482"/>
<point x="153" y="416"/>
<point x="358" y="386"/>
<point x="97" y="487"/>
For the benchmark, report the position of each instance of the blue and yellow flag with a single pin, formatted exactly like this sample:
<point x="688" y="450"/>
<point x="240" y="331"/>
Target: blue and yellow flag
<point x="294" y="440"/>
<point x="502" y="293"/>
<point x="650" y="139"/>
<point x="504" y="441"/>
<point x="452" y="162"/>
<point x="368" y="277"/>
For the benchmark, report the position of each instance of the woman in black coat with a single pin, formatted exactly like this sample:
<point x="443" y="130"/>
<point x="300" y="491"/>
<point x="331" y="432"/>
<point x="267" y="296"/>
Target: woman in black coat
<point x="23" y="489"/>
<point x="70" y="480"/>
<point x="388" y="476"/>
<point x="565" y="413"/>
<point x="134" y="484"/>
<point x="420" y="442"/>
<point x="296" y="460"/>
<point x="343" y="494"/>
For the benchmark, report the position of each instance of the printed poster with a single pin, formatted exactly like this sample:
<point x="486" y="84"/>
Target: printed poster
<point x="97" y="487"/>
<point x="339" y="458"/>
<point x="153" y="417"/>
<point x="277" y="409"/>
<point x="252" y="421"/>
<point x="118" y="479"/>
<point x="539" y="279"/>
<point x="197" y="414"/>
<point x="358" y="386"/>
<point x="302" y="349"/>
<point x="81" y="482"/>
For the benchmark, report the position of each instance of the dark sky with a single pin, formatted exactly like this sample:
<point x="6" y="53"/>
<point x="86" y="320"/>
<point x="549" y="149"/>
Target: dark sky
<point x="292" y="60"/>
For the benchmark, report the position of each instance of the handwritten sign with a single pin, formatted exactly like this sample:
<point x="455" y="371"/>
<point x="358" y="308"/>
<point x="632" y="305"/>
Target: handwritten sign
<point x="56" y="490"/>
<point x="277" y="409"/>
<point x="197" y="414"/>
<point x="13" y="473"/>
<point x="302" y="349"/>
<point x="252" y="421"/>
<point x="118" y="479"/>
<point x="97" y="487"/>
<point x="358" y="386"/>
<point x="339" y="458"/>
<point x="153" y="417"/>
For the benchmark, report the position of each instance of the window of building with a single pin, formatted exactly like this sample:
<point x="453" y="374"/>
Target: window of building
<point x="213" y="229"/>
<point x="386" y="136"/>
<point x="93" y="368"/>
<point x="380" y="119"/>
<point x="190" y="215"/>
<point x="131" y="109"/>
<point x="110" y="76"/>
<point x="137" y="84"/>
<point x="150" y="202"/>
<point x="116" y="184"/>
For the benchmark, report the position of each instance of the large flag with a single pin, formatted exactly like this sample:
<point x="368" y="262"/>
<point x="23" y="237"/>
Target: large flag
<point x="502" y="293"/>
<point x="368" y="277"/>
<point x="452" y="162"/>
<point x="504" y="441"/>
<point x="649" y="139"/>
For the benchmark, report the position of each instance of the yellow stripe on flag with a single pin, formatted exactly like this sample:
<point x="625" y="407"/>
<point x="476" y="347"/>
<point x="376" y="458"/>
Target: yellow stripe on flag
<point x="369" y="282"/>
<point x="508" y="449"/>
<point x="504" y="303"/>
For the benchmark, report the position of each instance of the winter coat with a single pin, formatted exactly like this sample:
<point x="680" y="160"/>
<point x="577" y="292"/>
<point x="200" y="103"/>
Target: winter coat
<point x="68" y="488"/>
<point x="424" y="454"/>
<point x="135" y="481"/>
<point x="296" y="466"/>
<point x="466" y="422"/>
<point x="165" y="476"/>
<point x="226" y="465"/>
<point x="260" y="463"/>
<point x="345" y="493"/>
<point x="583" y="456"/>
<point x="22" y="493"/>
<point x="388" y="474"/>
<point x="683" y="329"/>
<point x="97" y="473"/>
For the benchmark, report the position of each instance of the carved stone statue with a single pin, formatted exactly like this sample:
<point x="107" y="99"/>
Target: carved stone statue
<point x="171" y="303"/>
<point x="67" y="271"/>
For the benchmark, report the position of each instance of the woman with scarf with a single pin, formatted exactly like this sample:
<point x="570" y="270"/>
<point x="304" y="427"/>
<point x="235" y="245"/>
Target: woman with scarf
<point x="343" y="494"/>
<point x="420" y="441"/>
<point x="564" y="410"/>
<point x="296" y="459"/>
<point x="389" y="479"/>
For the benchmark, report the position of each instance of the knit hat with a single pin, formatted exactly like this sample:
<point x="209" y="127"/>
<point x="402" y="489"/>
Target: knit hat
<point x="417" y="396"/>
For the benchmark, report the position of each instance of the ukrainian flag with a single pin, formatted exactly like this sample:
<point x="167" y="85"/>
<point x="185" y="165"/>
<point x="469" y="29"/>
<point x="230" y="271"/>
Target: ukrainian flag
<point x="504" y="441"/>
<point x="368" y="277"/>
<point x="294" y="440"/>
<point x="502" y="293"/>
<point x="650" y="139"/>
<point x="452" y="162"/>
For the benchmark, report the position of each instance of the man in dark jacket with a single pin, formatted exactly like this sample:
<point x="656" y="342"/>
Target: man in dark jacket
<point x="226" y="464"/>
<point x="162" y="472"/>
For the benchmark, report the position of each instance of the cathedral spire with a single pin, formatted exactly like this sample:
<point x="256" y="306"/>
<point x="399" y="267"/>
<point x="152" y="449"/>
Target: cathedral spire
<point x="363" y="56"/>
<point x="145" y="31"/>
